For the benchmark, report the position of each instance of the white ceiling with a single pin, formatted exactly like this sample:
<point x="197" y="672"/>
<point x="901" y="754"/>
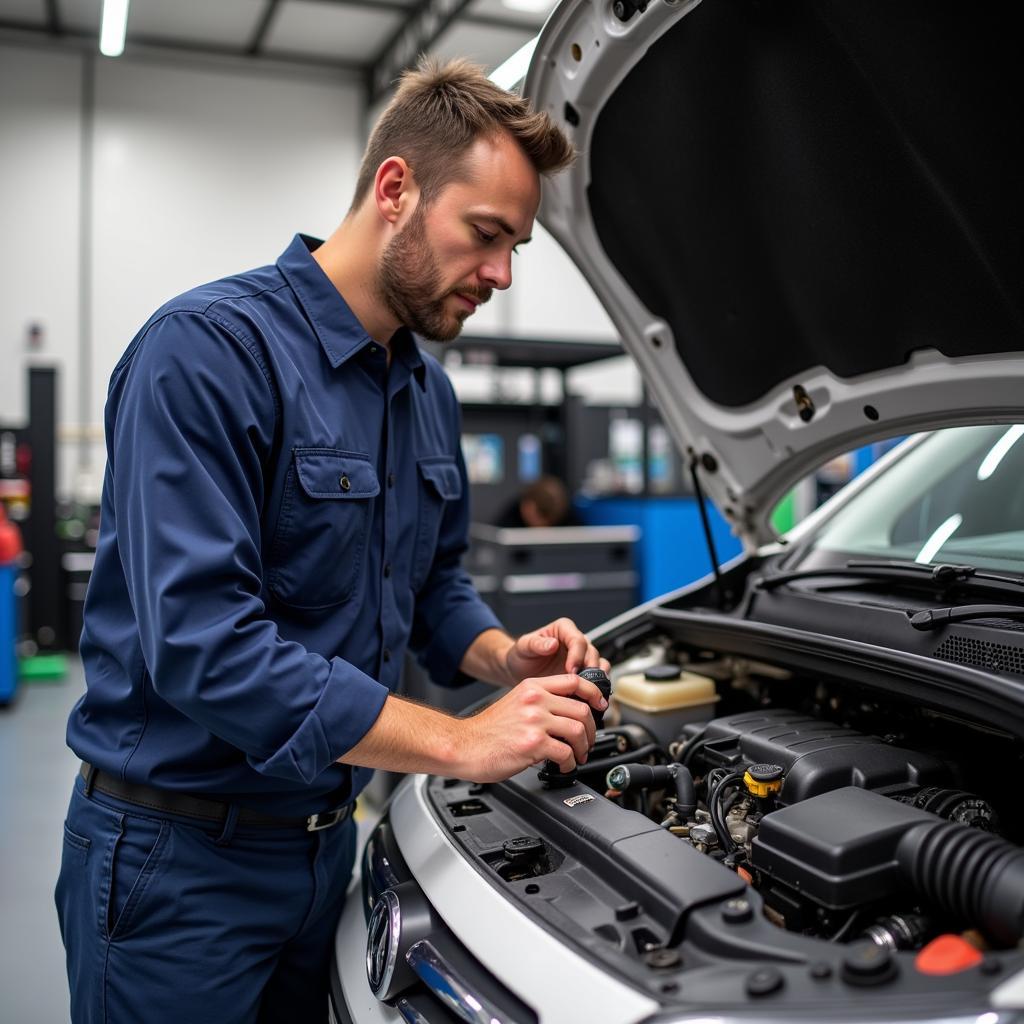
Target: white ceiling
<point x="483" y="44"/>
<point x="347" y="33"/>
<point x="329" y="30"/>
<point x="20" y="10"/>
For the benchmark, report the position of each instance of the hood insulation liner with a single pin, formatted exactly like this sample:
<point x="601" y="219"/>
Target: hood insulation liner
<point x="792" y="184"/>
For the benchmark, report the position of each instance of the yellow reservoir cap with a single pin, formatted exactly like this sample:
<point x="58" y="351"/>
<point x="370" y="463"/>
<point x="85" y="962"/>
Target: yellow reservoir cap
<point x="763" y="779"/>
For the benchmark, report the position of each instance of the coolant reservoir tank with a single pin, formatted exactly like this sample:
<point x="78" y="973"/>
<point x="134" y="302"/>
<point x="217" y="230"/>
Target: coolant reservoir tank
<point x="664" y="698"/>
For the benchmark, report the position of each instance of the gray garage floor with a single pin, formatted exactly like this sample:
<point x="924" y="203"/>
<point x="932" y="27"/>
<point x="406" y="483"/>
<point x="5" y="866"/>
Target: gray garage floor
<point x="36" y="770"/>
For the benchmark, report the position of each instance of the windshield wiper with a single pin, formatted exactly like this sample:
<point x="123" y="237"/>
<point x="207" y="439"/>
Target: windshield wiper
<point x="942" y="576"/>
<point x="936" y="618"/>
<point x="946" y="574"/>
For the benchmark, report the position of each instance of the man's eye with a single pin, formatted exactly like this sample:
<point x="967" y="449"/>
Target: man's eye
<point x="484" y="236"/>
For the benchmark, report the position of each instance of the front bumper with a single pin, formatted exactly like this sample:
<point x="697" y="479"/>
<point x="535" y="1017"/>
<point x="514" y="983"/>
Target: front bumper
<point x="520" y="955"/>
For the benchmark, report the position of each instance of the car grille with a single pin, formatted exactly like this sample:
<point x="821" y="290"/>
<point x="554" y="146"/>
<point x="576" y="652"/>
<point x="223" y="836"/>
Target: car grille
<point x="451" y="986"/>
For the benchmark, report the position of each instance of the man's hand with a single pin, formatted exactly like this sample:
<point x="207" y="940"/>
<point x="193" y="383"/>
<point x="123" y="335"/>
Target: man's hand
<point x="535" y="721"/>
<point x="551" y="650"/>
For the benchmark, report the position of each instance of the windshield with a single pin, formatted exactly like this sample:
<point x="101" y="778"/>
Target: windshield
<point x="958" y="496"/>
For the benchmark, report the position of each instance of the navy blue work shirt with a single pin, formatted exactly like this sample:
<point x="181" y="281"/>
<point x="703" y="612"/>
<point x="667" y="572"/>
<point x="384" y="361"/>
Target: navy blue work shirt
<point x="282" y="514"/>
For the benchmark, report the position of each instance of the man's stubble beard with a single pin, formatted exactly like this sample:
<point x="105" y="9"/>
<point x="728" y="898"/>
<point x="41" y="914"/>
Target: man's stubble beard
<point x="409" y="280"/>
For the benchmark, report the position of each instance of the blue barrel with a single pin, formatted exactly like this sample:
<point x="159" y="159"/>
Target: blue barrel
<point x="8" y="632"/>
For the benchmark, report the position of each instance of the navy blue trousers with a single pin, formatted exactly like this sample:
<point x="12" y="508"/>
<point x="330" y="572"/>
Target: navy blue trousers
<point x="168" y="921"/>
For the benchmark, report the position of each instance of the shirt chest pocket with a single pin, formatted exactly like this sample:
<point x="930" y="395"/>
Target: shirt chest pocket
<point x="439" y="484"/>
<point x="322" y="530"/>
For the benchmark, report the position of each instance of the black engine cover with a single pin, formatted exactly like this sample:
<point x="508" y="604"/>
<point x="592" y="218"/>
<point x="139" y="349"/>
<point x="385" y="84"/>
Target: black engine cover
<point x="838" y="849"/>
<point x="817" y="756"/>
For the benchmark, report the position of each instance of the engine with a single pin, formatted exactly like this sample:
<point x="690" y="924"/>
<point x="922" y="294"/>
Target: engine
<point x="845" y="833"/>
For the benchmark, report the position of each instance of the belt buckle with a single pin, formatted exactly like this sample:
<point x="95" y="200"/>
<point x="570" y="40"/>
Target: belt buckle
<point x="325" y="819"/>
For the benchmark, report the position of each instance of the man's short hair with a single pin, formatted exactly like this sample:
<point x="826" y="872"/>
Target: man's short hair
<point x="439" y="111"/>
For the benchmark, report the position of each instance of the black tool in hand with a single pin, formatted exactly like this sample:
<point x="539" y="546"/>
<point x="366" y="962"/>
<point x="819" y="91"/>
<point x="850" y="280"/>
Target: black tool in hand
<point x="551" y="776"/>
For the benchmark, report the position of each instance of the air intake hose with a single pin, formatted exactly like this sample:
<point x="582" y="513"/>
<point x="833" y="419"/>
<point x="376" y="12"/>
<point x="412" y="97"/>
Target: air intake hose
<point x="975" y="877"/>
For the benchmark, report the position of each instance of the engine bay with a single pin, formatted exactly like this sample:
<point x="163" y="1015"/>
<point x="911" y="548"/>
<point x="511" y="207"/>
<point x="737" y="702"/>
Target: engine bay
<point x="812" y="791"/>
<point x="770" y="815"/>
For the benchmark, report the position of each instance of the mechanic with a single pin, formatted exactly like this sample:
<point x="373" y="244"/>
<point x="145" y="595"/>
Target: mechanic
<point x="284" y="510"/>
<point x="542" y="504"/>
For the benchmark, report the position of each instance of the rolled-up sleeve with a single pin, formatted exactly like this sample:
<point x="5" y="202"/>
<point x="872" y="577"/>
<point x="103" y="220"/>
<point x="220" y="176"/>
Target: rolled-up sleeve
<point x="195" y="427"/>
<point x="449" y="613"/>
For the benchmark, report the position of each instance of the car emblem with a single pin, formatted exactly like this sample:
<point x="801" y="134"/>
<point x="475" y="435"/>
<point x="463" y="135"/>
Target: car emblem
<point x="581" y="799"/>
<point x="383" y="935"/>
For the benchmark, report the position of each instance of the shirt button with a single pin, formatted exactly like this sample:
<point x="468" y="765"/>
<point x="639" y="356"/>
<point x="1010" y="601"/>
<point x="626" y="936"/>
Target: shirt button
<point x="386" y="655"/>
<point x="387" y="570"/>
<point x="373" y="350"/>
<point x="391" y="479"/>
<point x="345" y="483"/>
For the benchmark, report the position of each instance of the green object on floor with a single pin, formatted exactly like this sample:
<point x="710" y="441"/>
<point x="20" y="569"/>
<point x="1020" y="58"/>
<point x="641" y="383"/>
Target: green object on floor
<point x="43" y="668"/>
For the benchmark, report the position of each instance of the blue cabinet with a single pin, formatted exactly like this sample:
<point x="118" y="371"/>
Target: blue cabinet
<point x="671" y="550"/>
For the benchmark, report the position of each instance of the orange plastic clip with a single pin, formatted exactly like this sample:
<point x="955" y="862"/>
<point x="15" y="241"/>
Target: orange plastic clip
<point x="947" y="954"/>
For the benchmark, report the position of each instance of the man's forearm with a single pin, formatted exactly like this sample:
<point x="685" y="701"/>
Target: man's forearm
<point x="409" y="737"/>
<point x="536" y="720"/>
<point x="486" y="658"/>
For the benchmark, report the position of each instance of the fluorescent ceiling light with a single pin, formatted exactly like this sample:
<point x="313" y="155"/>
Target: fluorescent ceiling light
<point x="513" y="71"/>
<point x="112" y="30"/>
<point x="938" y="538"/>
<point x="999" y="451"/>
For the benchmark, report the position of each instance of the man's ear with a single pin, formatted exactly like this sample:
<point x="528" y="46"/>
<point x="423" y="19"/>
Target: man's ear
<point x="394" y="189"/>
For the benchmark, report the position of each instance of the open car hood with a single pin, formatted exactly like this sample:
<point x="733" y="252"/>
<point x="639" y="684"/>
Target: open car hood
<point x="805" y="218"/>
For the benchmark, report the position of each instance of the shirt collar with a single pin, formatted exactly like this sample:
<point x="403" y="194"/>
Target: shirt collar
<point x="338" y="328"/>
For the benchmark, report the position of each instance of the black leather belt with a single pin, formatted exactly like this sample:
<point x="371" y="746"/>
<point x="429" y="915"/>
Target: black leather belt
<point x="212" y="811"/>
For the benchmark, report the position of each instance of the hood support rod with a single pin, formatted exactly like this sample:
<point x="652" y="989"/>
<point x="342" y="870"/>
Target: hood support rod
<point x="706" y="523"/>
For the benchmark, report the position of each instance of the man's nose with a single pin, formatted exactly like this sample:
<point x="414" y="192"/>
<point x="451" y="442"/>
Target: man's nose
<point x="497" y="272"/>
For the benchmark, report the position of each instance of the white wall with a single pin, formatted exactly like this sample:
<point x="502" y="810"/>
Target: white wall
<point x="198" y="169"/>
<point x="40" y="121"/>
<point x="203" y="172"/>
<point x="551" y="298"/>
<point x="200" y="174"/>
<point x="195" y="168"/>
